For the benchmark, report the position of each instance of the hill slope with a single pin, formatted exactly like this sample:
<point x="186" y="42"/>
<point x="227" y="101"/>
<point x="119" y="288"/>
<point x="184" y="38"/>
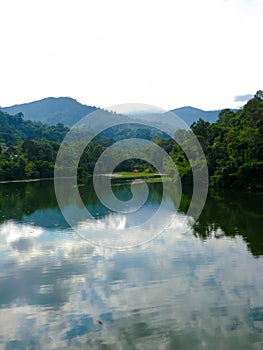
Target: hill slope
<point x="52" y="110"/>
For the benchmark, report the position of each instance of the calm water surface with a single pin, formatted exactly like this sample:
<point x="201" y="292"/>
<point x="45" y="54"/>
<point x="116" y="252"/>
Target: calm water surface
<point x="195" y="287"/>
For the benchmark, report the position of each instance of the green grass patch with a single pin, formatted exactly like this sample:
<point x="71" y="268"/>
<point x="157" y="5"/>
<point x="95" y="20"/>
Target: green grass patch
<point x="150" y="177"/>
<point x="131" y="174"/>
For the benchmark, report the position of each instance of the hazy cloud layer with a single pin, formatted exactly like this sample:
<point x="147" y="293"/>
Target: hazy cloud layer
<point x="243" y="98"/>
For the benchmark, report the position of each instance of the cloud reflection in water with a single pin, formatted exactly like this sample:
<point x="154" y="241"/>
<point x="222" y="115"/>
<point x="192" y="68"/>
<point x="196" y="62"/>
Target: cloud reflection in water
<point x="176" y="291"/>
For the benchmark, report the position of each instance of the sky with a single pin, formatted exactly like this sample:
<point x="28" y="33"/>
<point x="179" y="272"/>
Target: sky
<point x="169" y="53"/>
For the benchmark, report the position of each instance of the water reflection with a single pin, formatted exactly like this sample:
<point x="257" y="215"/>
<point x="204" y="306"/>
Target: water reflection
<point x="226" y="213"/>
<point x="176" y="292"/>
<point x="233" y="213"/>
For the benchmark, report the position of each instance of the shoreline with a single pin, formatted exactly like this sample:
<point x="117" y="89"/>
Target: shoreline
<point x="26" y="180"/>
<point x="113" y="175"/>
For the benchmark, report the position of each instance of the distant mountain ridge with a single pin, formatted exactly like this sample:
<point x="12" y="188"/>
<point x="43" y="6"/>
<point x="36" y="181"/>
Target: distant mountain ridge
<point x="68" y="111"/>
<point x="190" y="114"/>
<point x="52" y="110"/>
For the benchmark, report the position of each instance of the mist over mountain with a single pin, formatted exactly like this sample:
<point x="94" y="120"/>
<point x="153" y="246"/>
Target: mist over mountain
<point x="190" y="114"/>
<point x="162" y="120"/>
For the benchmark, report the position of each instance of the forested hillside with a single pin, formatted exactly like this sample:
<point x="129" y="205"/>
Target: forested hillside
<point x="14" y="129"/>
<point x="233" y="146"/>
<point x="27" y="149"/>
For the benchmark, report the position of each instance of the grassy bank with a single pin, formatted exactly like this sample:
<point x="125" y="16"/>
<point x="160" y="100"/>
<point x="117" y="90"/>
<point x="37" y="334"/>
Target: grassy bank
<point x="149" y="177"/>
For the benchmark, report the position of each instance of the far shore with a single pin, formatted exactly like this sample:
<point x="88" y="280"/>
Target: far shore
<point x="26" y="180"/>
<point x="33" y="180"/>
<point x="124" y="175"/>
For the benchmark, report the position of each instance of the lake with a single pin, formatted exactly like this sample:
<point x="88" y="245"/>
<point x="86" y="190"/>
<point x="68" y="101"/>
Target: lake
<point x="191" y="287"/>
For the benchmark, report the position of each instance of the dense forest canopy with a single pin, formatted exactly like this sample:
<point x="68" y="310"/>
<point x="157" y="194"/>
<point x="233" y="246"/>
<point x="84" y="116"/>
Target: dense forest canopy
<point x="233" y="146"/>
<point x="13" y="129"/>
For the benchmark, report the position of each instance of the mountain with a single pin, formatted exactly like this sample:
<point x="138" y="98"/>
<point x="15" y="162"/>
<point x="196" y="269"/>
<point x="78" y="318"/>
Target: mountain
<point x="52" y="110"/>
<point x="68" y="111"/>
<point x="190" y="114"/>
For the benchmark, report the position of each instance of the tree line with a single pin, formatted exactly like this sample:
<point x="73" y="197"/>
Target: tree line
<point x="233" y="147"/>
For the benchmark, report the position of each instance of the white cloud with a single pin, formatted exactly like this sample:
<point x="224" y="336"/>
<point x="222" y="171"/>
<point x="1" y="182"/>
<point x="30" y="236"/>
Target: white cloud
<point x="167" y="54"/>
